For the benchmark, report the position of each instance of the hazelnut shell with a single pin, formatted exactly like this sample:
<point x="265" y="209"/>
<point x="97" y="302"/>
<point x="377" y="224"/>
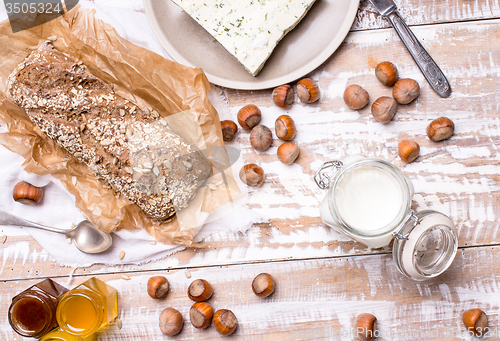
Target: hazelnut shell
<point x="475" y="320"/>
<point x="27" y="194"/>
<point x="249" y="116"/>
<point x="261" y="137"/>
<point x="158" y="287"/>
<point x="288" y="152"/>
<point x="201" y="314"/>
<point x="285" y="127"/>
<point x="171" y="321"/>
<point x="229" y="129"/>
<point x="355" y="97"/>
<point x="225" y="322"/>
<point x="283" y="96"/>
<point x="405" y="90"/>
<point x="441" y="128"/>
<point x="263" y="285"/>
<point x="307" y="90"/>
<point x="387" y="73"/>
<point x="200" y="290"/>
<point x="408" y="150"/>
<point x="366" y="326"/>
<point x="252" y="175"/>
<point x="384" y="108"/>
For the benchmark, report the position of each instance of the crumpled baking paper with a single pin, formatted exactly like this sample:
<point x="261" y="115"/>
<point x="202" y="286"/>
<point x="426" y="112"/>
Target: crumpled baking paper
<point x="151" y="81"/>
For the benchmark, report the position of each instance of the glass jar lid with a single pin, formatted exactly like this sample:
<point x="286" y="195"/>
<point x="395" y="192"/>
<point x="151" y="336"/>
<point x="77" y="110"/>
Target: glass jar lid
<point x="425" y="246"/>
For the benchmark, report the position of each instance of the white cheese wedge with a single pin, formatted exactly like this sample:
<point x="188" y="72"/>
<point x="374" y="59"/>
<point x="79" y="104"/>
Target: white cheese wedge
<point x="248" y="29"/>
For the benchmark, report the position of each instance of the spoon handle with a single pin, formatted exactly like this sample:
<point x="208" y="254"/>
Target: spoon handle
<point x="12" y="220"/>
<point x="427" y="65"/>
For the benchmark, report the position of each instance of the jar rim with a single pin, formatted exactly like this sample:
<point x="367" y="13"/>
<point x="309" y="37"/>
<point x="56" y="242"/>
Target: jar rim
<point x="401" y="181"/>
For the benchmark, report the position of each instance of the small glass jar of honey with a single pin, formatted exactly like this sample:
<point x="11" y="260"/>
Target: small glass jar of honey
<point x="32" y="313"/>
<point x="87" y="308"/>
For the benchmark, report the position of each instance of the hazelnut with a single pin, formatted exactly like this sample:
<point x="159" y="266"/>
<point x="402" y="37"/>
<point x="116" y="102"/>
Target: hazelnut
<point x="171" y="321"/>
<point x="408" y="150"/>
<point x="201" y="314"/>
<point x="384" y="108"/>
<point x="387" y="73"/>
<point x="355" y="97"/>
<point x="158" y="287"/>
<point x="288" y="153"/>
<point x="229" y="129"/>
<point x="200" y="290"/>
<point x="405" y="90"/>
<point x="366" y="327"/>
<point x="252" y="175"/>
<point x="225" y="322"/>
<point x="283" y="96"/>
<point x="285" y="127"/>
<point x="249" y="116"/>
<point x="440" y="129"/>
<point x="307" y="90"/>
<point x="261" y="137"/>
<point x="27" y="194"/>
<point x="263" y="285"/>
<point x="475" y="320"/>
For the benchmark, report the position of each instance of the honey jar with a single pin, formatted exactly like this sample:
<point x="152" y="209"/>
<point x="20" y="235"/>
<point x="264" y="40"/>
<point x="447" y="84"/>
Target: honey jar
<point x="369" y="200"/>
<point x="87" y="308"/>
<point x="32" y="313"/>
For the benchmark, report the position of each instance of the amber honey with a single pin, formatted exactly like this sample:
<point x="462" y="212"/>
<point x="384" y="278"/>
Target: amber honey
<point x="87" y="308"/>
<point x="81" y="312"/>
<point x="30" y="314"/>
<point x="33" y="311"/>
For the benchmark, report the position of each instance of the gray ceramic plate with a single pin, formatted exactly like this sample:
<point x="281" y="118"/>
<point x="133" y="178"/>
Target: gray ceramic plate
<point x="301" y="51"/>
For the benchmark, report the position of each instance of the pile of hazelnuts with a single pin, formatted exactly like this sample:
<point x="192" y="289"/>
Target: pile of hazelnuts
<point x="261" y="137"/>
<point x="201" y="313"/>
<point x="383" y="109"/>
<point x="475" y="320"/>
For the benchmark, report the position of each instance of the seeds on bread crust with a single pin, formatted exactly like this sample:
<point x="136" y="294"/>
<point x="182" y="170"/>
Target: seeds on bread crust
<point x="82" y="114"/>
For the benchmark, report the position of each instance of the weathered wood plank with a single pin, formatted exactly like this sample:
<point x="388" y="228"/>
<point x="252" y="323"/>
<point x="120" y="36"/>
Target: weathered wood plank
<point x="423" y="12"/>
<point x="314" y="299"/>
<point x="458" y="177"/>
<point x="22" y="257"/>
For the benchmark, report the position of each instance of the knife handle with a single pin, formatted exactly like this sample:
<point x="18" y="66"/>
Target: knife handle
<point x="427" y="65"/>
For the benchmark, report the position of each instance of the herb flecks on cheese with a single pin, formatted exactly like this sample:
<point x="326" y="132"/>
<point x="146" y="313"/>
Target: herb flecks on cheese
<point x="248" y="29"/>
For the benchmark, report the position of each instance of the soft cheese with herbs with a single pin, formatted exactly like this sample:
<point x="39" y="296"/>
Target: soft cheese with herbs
<point x="248" y="29"/>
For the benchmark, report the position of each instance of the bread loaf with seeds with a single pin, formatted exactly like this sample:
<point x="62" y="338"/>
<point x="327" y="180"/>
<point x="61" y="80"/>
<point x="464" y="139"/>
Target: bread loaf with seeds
<point x="131" y="149"/>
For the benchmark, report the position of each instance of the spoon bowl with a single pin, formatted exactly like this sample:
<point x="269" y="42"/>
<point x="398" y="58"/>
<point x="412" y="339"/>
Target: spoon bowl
<point x="90" y="239"/>
<point x="86" y="236"/>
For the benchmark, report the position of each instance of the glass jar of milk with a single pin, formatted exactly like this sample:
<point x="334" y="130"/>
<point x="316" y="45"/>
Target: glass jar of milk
<point x="369" y="200"/>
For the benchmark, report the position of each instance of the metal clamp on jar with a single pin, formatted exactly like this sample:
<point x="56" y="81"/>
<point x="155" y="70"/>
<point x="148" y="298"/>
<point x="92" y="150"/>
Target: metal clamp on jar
<point x="369" y="200"/>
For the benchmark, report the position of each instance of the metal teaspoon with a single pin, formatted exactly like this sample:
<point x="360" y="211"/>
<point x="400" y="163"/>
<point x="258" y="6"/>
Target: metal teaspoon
<point x="86" y="236"/>
<point x="429" y="68"/>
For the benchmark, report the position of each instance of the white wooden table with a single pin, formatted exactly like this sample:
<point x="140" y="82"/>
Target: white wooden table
<point x="324" y="279"/>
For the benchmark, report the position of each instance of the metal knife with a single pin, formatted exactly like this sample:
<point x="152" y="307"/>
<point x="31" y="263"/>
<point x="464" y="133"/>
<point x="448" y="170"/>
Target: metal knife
<point x="427" y="65"/>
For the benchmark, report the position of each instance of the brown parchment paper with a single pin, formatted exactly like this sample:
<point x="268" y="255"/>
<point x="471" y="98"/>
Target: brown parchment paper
<point x="153" y="82"/>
